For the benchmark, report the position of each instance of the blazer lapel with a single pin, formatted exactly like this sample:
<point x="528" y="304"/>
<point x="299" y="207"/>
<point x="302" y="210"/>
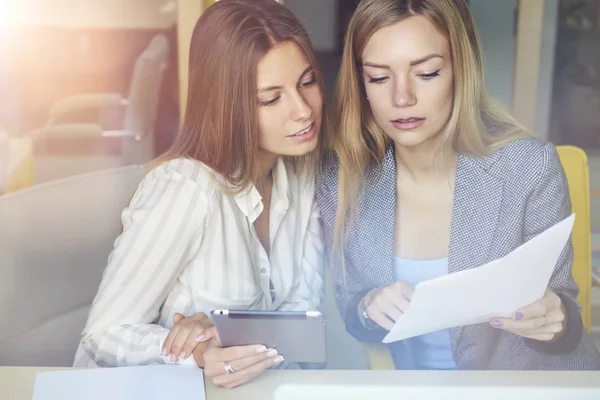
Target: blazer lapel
<point x="476" y="208"/>
<point x="376" y="210"/>
<point x="477" y="202"/>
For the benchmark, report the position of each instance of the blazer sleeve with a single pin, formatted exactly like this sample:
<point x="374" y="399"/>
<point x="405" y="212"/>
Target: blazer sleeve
<point x="348" y="294"/>
<point x="549" y="204"/>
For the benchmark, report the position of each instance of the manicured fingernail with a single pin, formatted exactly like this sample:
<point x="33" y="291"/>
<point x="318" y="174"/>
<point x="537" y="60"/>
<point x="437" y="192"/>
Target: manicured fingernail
<point x="519" y="316"/>
<point x="182" y="355"/>
<point x="173" y="358"/>
<point x="497" y="324"/>
<point x="278" y="360"/>
<point x="200" y="337"/>
<point x="272" y="353"/>
<point x="261" y="349"/>
<point x="164" y="352"/>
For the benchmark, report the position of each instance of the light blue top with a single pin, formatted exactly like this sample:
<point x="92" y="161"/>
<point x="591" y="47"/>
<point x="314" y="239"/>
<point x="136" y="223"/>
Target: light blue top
<point x="432" y="350"/>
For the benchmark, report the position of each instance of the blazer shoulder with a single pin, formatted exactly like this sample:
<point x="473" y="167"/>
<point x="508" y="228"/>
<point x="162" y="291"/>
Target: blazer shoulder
<point x="527" y="159"/>
<point x="327" y="176"/>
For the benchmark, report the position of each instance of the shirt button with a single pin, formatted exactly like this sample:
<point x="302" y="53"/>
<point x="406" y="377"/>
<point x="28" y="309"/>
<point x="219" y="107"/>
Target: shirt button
<point x="263" y="271"/>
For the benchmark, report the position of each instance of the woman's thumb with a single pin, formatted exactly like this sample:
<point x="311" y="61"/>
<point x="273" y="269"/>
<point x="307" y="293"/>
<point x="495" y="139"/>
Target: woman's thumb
<point x="177" y="317"/>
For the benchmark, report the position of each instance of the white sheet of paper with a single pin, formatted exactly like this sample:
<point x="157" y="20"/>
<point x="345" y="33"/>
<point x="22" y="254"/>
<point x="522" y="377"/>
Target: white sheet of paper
<point x="152" y="382"/>
<point x="496" y="289"/>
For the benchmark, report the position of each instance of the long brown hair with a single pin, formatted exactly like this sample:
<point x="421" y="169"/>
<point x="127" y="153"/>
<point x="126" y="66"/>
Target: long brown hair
<point x="220" y="126"/>
<point x="478" y="125"/>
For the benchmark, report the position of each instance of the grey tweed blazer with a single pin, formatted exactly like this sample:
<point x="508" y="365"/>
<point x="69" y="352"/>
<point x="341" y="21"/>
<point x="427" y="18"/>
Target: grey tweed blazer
<point x="500" y="201"/>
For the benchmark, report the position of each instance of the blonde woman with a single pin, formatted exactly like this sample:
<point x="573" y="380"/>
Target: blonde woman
<point x="431" y="177"/>
<point x="228" y="219"/>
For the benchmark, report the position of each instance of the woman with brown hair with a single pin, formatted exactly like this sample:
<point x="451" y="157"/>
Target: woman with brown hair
<point x="429" y="177"/>
<point x="227" y="219"/>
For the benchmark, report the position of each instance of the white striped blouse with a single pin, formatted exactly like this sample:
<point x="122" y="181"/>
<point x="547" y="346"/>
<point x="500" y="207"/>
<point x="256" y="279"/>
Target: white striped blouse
<point x="188" y="247"/>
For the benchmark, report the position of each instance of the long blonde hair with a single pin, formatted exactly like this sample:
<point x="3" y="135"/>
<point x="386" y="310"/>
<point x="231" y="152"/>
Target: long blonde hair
<point x="478" y="125"/>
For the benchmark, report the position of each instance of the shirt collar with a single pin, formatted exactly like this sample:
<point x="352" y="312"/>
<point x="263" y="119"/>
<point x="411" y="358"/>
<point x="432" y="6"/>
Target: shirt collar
<point x="250" y="201"/>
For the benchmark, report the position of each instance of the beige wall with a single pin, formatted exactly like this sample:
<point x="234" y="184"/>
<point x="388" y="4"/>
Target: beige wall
<point x="527" y="62"/>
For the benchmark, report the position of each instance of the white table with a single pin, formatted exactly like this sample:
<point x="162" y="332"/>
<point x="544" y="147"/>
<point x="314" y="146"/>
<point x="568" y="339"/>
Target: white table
<point x="16" y="383"/>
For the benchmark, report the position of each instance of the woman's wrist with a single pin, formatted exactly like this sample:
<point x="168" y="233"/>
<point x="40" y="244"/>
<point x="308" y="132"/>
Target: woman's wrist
<point x="560" y="334"/>
<point x="571" y="335"/>
<point x="363" y="314"/>
<point x="198" y="353"/>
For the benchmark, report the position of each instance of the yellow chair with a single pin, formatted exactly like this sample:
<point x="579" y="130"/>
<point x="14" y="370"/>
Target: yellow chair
<point x="574" y="161"/>
<point x="575" y="164"/>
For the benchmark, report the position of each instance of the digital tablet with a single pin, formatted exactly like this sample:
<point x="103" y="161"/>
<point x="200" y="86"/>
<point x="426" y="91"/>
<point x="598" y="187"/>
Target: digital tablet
<point x="297" y="336"/>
